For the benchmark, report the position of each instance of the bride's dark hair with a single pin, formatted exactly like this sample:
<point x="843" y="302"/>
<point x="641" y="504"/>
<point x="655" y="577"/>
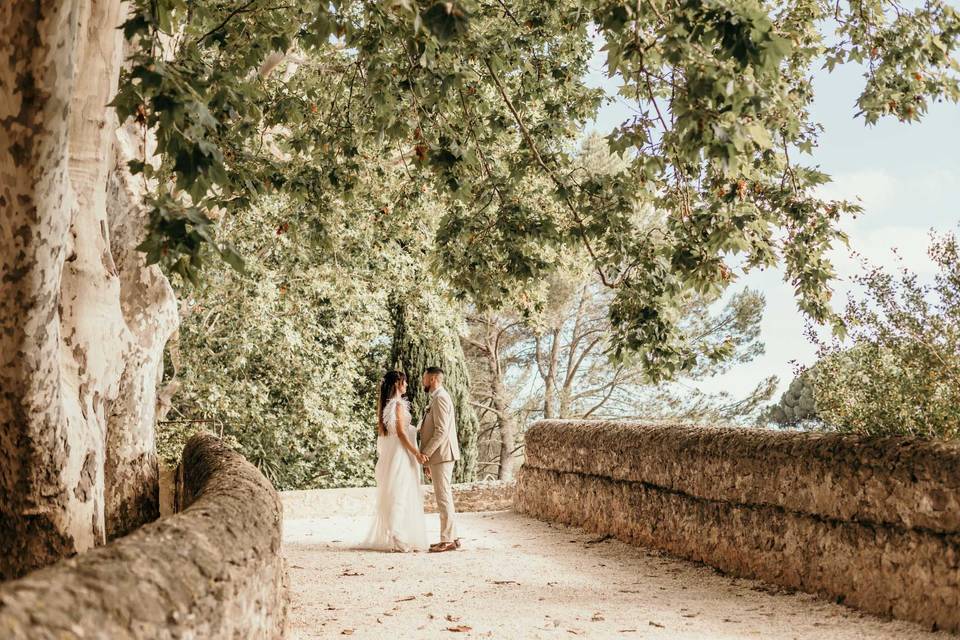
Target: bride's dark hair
<point x="388" y="389"/>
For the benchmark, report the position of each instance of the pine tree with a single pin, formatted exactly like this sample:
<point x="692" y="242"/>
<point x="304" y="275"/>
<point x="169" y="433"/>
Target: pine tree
<point x="797" y="404"/>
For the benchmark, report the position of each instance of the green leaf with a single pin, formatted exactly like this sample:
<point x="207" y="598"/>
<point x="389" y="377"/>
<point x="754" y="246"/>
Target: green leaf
<point x="231" y="257"/>
<point x="446" y="20"/>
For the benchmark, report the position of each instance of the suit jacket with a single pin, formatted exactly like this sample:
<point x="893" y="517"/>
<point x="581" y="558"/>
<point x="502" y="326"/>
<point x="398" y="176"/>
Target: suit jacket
<point x="438" y="431"/>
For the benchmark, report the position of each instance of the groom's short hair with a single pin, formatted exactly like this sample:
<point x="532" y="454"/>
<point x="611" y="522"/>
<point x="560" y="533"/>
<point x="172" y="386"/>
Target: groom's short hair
<point x="434" y="370"/>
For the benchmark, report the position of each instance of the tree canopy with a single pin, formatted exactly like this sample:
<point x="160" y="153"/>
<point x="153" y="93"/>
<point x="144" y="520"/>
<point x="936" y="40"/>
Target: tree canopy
<point x="304" y="98"/>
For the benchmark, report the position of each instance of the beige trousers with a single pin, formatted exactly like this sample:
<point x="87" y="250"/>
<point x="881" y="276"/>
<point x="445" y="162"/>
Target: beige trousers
<point x="442" y="474"/>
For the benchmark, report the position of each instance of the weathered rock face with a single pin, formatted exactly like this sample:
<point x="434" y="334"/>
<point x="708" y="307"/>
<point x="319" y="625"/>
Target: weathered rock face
<point x="213" y="571"/>
<point x="873" y="522"/>
<point x="360" y="502"/>
<point x="494" y="495"/>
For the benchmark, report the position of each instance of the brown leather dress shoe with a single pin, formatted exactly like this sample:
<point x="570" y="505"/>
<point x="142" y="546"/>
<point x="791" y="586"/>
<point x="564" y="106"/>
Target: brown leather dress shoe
<point x="444" y="546"/>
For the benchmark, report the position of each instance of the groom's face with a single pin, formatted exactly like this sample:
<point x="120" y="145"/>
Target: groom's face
<point x="432" y="381"/>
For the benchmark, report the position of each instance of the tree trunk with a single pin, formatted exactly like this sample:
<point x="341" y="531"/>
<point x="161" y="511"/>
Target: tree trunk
<point x="92" y="318"/>
<point x="47" y="508"/>
<point x="550" y="379"/>
<point x="508" y="429"/>
<point x="499" y="398"/>
<point x="149" y="308"/>
<point x="68" y="351"/>
<point x="573" y="362"/>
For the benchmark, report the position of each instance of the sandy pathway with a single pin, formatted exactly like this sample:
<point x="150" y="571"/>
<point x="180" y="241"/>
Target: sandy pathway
<point x="520" y="578"/>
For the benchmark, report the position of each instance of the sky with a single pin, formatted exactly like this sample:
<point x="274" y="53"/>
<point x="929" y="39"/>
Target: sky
<point x="907" y="179"/>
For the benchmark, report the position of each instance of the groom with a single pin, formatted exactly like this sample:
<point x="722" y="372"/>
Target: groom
<point x="439" y="450"/>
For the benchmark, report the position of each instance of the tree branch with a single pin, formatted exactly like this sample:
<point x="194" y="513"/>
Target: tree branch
<point x="536" y="154"/>
<point x="230" y="16"/>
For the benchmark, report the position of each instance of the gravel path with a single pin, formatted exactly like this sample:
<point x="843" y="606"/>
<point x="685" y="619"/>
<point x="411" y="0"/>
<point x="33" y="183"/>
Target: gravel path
<point x="521" y="578"/>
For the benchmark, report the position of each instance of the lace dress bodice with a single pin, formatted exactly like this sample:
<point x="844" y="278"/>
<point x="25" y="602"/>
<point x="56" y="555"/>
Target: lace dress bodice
<point x="390" y="415"/>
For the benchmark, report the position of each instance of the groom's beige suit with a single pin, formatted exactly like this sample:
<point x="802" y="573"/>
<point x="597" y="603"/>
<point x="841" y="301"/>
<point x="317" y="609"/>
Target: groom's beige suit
<point x="438" y="441"/>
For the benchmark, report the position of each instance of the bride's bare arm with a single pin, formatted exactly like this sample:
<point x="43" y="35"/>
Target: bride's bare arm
<point x="402" y="433"/>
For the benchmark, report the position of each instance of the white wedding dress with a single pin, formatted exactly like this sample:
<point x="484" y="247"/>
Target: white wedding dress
<point x="398" y="523"/>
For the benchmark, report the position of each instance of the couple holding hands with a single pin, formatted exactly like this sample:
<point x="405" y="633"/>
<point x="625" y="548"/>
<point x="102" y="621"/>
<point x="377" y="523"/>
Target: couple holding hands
<point x="399" y="523"/>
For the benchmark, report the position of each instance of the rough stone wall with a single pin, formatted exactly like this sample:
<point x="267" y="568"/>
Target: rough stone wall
<point x="873" y="522"/>
<point x="494" y="495"/>
<point x="215" y="570"/>
<point x="360" y="502"/>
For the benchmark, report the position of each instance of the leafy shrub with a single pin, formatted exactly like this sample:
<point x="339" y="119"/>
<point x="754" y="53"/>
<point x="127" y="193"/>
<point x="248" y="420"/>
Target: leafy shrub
<point x="899" y="371"/>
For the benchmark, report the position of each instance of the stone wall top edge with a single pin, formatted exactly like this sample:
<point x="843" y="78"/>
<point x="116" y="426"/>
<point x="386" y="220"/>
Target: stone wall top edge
<point x="171" y="574"/>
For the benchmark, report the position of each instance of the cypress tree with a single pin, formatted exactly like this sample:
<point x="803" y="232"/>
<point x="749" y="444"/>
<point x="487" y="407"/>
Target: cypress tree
<point x="426" y="334"/>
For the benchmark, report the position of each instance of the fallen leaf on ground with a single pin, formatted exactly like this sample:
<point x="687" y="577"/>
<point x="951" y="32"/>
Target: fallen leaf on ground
<point x="350" y="572"/>
<point x="452" y="618"/>
<point x="600" y="539"/>
<point x="597" y="617"/>
<point x="504" y="582"/>
<point x="656" y="624"/>
<point x="460" y="628"/>
<point x="407" y="599"/>
<point x="347" y="632"/>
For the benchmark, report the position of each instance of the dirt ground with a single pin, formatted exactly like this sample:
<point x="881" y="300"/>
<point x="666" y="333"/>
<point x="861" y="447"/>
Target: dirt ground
<point x="520" y="578"/>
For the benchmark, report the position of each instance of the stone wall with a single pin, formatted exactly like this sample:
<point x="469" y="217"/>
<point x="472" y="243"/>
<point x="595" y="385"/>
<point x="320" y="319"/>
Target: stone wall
<point x="873" y="522"/>
<point x="360" y="502"/>
<point x="214" y="570"/>
<point x="491" y="495"/>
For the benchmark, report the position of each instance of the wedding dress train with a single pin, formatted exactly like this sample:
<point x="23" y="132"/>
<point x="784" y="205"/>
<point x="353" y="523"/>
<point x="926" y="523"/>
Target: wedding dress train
<point x="398" y="523"/>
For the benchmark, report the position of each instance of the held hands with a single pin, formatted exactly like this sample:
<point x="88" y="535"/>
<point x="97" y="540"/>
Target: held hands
<point x="422" y="459"/>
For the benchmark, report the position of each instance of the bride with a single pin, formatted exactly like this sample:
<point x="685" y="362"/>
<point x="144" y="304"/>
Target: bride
<point x="399" y="522"/>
